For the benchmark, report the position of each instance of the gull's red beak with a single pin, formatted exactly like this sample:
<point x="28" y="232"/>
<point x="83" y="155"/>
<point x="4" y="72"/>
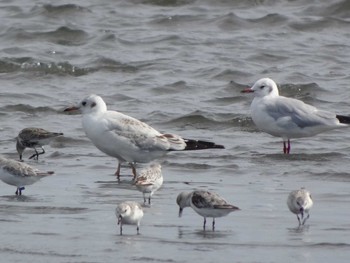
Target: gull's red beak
<point x="70" y="109"/>
<point x="247" y="90"/>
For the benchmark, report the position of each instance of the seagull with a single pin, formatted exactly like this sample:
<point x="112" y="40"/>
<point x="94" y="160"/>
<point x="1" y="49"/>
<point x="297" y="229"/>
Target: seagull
<point x="129" y="213"/>
<point x="34" y="138"/>
<point x="19" y="174"/>
<point x="128" y="139"/>
<point x="287" y="117"/>
<point x="149" y="181"/>
<point x="300" y="202"/>
<point x="206" y="204"/>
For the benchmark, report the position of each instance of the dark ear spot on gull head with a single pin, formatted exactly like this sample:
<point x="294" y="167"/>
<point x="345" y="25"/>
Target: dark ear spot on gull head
<point x="93" y="104"/>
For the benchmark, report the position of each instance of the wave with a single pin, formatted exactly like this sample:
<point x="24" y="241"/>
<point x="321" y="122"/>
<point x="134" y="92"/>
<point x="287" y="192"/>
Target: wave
<point x="164" y="2"/>
<point x="208" y="120"/>
<point x="28" y="109"/>
<point x="29" y="64"/>
<point x="71" y="9"/>
<point x="63" y="35"/>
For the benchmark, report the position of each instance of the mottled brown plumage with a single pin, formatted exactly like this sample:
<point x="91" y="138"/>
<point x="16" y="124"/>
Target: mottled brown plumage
<point x="34" y="138"/>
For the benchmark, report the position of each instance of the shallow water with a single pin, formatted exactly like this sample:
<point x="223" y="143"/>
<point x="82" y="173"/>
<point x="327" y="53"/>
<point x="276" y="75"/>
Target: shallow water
<point x="179" y="66"/>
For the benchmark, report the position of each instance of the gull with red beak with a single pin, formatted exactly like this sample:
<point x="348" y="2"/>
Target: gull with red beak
<point x="287" y="117"/>
<point x="128" y="139"/>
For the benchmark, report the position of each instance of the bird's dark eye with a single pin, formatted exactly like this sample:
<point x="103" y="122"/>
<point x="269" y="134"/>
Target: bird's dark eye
<point x="83" y="103"/>
<point x="261" y="87"/>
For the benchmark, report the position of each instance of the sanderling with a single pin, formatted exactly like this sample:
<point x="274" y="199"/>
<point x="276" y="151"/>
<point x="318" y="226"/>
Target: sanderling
<point x="19" y="174"/>
<point x="287" y="117"/>
<point x="206" y="204"/>
<point x="129" y="213"/>
<point x="128" y="139"/>
<point x="149" y="181"/>
<point x="300" y="202"/>
<point x="34" y="138"/>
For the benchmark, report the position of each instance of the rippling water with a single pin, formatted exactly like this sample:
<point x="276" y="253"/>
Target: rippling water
<point x="178" y="65"/>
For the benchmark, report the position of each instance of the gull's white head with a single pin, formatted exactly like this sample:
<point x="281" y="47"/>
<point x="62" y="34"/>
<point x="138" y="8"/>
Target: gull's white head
<point x="265" y="87"/>
<point x="92" y="103"/>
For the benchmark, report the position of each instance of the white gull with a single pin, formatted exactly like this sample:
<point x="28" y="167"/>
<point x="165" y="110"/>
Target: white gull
<point x="128" y="139"/>
<point x="287" y="117"/>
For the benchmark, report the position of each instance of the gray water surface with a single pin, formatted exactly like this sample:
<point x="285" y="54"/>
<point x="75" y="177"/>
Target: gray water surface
<point x="179" y="66"/>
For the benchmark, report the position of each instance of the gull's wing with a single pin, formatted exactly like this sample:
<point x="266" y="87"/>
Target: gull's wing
<point x="141" y="134"/>
<point x="296" y="112"/>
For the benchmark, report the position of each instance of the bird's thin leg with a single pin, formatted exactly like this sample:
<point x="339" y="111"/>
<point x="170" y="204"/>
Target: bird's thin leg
<point x="133" y="168"/>
<point x="35" y="155"/>
<point x="117" y="173"/>
<point x="150" y="197"/>
<point x="144" y="198"/>
<point x="138" y="230"/>
<point x="302" y="214"/>
<point x="306" y="218"/>
<point x="299" y="220"/>
<point x="205" y="220"/>
<point x="213" y="223"/>
<point x="286" y="147"/>
<point x="42" y="148"/>
<point x="121" y="228"/>
<point x="19" y="190"/>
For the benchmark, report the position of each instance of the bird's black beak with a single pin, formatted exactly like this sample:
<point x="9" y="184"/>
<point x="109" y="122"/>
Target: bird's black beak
<point x="119" y="219"/>
<point x="180" y="211"/>
<point x="302" y="212"/>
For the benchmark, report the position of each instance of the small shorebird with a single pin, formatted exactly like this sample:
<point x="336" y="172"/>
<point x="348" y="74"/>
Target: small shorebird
<point x="128" y="139"/>
<point x="149" y="181"/>
<point x="19" y="174"/>
<point x="300" y="202"/>
<point x="34" y="138"/>
<point x="206" y="204"/>
<point x="129" y="213"/>
<point x="287" y="117"/>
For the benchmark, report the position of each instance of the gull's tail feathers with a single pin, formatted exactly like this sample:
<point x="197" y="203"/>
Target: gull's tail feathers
<point x="343" y="119"/>
<point x="201" y="145"/>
